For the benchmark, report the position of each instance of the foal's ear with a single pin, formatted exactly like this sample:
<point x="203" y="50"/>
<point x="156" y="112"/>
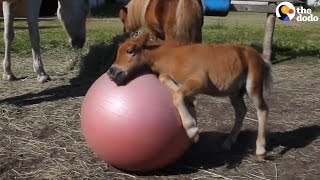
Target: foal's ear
<point x="123" y="13"/>
<point x="143" y="39"/>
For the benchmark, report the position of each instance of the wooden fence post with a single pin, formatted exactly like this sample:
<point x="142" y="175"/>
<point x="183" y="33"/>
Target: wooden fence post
<point x="268" y="36"/>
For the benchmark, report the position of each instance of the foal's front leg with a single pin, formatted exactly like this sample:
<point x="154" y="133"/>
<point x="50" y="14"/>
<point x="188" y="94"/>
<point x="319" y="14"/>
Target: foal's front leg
<point x="165" y="79"/>
<point x="179" y="95"/>
<point x="33" y="15"/>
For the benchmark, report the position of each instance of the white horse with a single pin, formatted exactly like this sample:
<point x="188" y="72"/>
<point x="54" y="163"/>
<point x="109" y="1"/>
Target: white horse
<point x="72" y="14"/>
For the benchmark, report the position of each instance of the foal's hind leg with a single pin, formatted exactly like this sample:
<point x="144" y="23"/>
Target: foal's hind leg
<point x="33" y="15"/>
<point x="8" y="36"/>
<point x="256" y="94"/>
<point x="240" y="108"/>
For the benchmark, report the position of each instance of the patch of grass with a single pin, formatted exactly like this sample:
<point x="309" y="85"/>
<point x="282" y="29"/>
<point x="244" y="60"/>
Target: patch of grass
<point x="290" y="39"/>
<point x="298" y="41"/>
<point x="315" y="8"/>
<point x="238" y="35"/>
<point x="287" y="40"/>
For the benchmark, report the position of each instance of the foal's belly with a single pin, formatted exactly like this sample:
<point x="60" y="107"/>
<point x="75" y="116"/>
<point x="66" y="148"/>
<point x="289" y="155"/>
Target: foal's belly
<point x="224" y="89"/>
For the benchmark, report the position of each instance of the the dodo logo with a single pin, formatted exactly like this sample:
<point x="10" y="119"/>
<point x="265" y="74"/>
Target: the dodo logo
<point x="285" y="11"/>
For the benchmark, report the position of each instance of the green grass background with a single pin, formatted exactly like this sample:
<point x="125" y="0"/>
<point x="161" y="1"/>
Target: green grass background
<point x="291" y="39"/>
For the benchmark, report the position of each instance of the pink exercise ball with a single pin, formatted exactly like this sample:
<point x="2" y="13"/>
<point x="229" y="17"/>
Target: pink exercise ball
<point x="133" y="127"/>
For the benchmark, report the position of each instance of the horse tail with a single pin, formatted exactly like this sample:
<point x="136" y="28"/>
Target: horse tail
<point x="189" y="21"/>
<point x="134" y="14"/>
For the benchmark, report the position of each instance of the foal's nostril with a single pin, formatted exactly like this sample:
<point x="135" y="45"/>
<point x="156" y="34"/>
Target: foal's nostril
<point x="114" y="73"/>
<point x="111" y="71"/>
<point x="118" y="72"/>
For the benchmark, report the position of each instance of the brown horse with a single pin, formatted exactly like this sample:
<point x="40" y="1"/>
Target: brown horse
<point x="217" y="70"/>
<point x="180" y="20"/>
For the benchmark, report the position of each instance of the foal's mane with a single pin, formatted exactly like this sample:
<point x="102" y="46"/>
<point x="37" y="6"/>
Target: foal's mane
<point x="136" y="13"/>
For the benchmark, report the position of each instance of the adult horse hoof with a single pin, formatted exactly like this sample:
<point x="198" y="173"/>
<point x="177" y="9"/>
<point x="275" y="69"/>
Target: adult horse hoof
<point x="8" y="77"/>
<point x="43" y="78"/>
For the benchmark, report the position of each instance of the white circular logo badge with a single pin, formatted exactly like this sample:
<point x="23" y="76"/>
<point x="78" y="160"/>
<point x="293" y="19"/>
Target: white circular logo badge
<point x="285" y="11"/>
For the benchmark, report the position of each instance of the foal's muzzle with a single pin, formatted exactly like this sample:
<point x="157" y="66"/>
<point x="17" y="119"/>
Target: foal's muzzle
<point x="116" y="74"/>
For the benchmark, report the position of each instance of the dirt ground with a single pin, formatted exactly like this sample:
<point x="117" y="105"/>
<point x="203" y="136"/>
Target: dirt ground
<point x="40" y="135"/>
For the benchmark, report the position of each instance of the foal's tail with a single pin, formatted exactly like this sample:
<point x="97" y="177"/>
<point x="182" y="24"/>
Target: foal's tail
<point x="189" y="21"/>
<point x="267" y="84"/>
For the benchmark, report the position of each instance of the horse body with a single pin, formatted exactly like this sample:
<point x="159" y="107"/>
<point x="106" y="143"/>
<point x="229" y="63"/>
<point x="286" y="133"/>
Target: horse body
<point x="179" y="20"/>
<point x="72" y="14"/>
<point x="217" y="70"/>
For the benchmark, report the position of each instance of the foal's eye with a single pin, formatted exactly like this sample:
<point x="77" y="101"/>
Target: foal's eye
<point x="130" y="51"/>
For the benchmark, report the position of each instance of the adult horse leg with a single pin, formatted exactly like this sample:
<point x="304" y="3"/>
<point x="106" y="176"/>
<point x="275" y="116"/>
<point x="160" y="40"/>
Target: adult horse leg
<point x="8" y="36"/>
<point x="33" y="8"/>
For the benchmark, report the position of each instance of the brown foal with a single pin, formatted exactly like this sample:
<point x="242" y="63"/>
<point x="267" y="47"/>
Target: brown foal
<point x="217" y="70"/>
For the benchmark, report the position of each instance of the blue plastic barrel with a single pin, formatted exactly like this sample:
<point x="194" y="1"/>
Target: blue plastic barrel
<point x="216" y="7"/>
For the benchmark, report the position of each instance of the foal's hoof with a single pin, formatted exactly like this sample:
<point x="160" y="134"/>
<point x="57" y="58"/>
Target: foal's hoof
<point x="193" y="134"/>
<point x="261" y="158"/>
<point x="227" y="144"/>
<point x="43" y="78"/>
<point x="191" y="101"/>
<point x="8" y="77"/>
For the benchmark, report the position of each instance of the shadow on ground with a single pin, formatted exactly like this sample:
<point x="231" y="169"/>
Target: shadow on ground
<point x="207" y="153"/>
<point x="287" y="53"/>
<point x="92" y="66"/>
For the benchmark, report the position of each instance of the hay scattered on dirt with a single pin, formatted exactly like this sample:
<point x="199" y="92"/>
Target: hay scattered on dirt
<point x="40" y="136"/>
